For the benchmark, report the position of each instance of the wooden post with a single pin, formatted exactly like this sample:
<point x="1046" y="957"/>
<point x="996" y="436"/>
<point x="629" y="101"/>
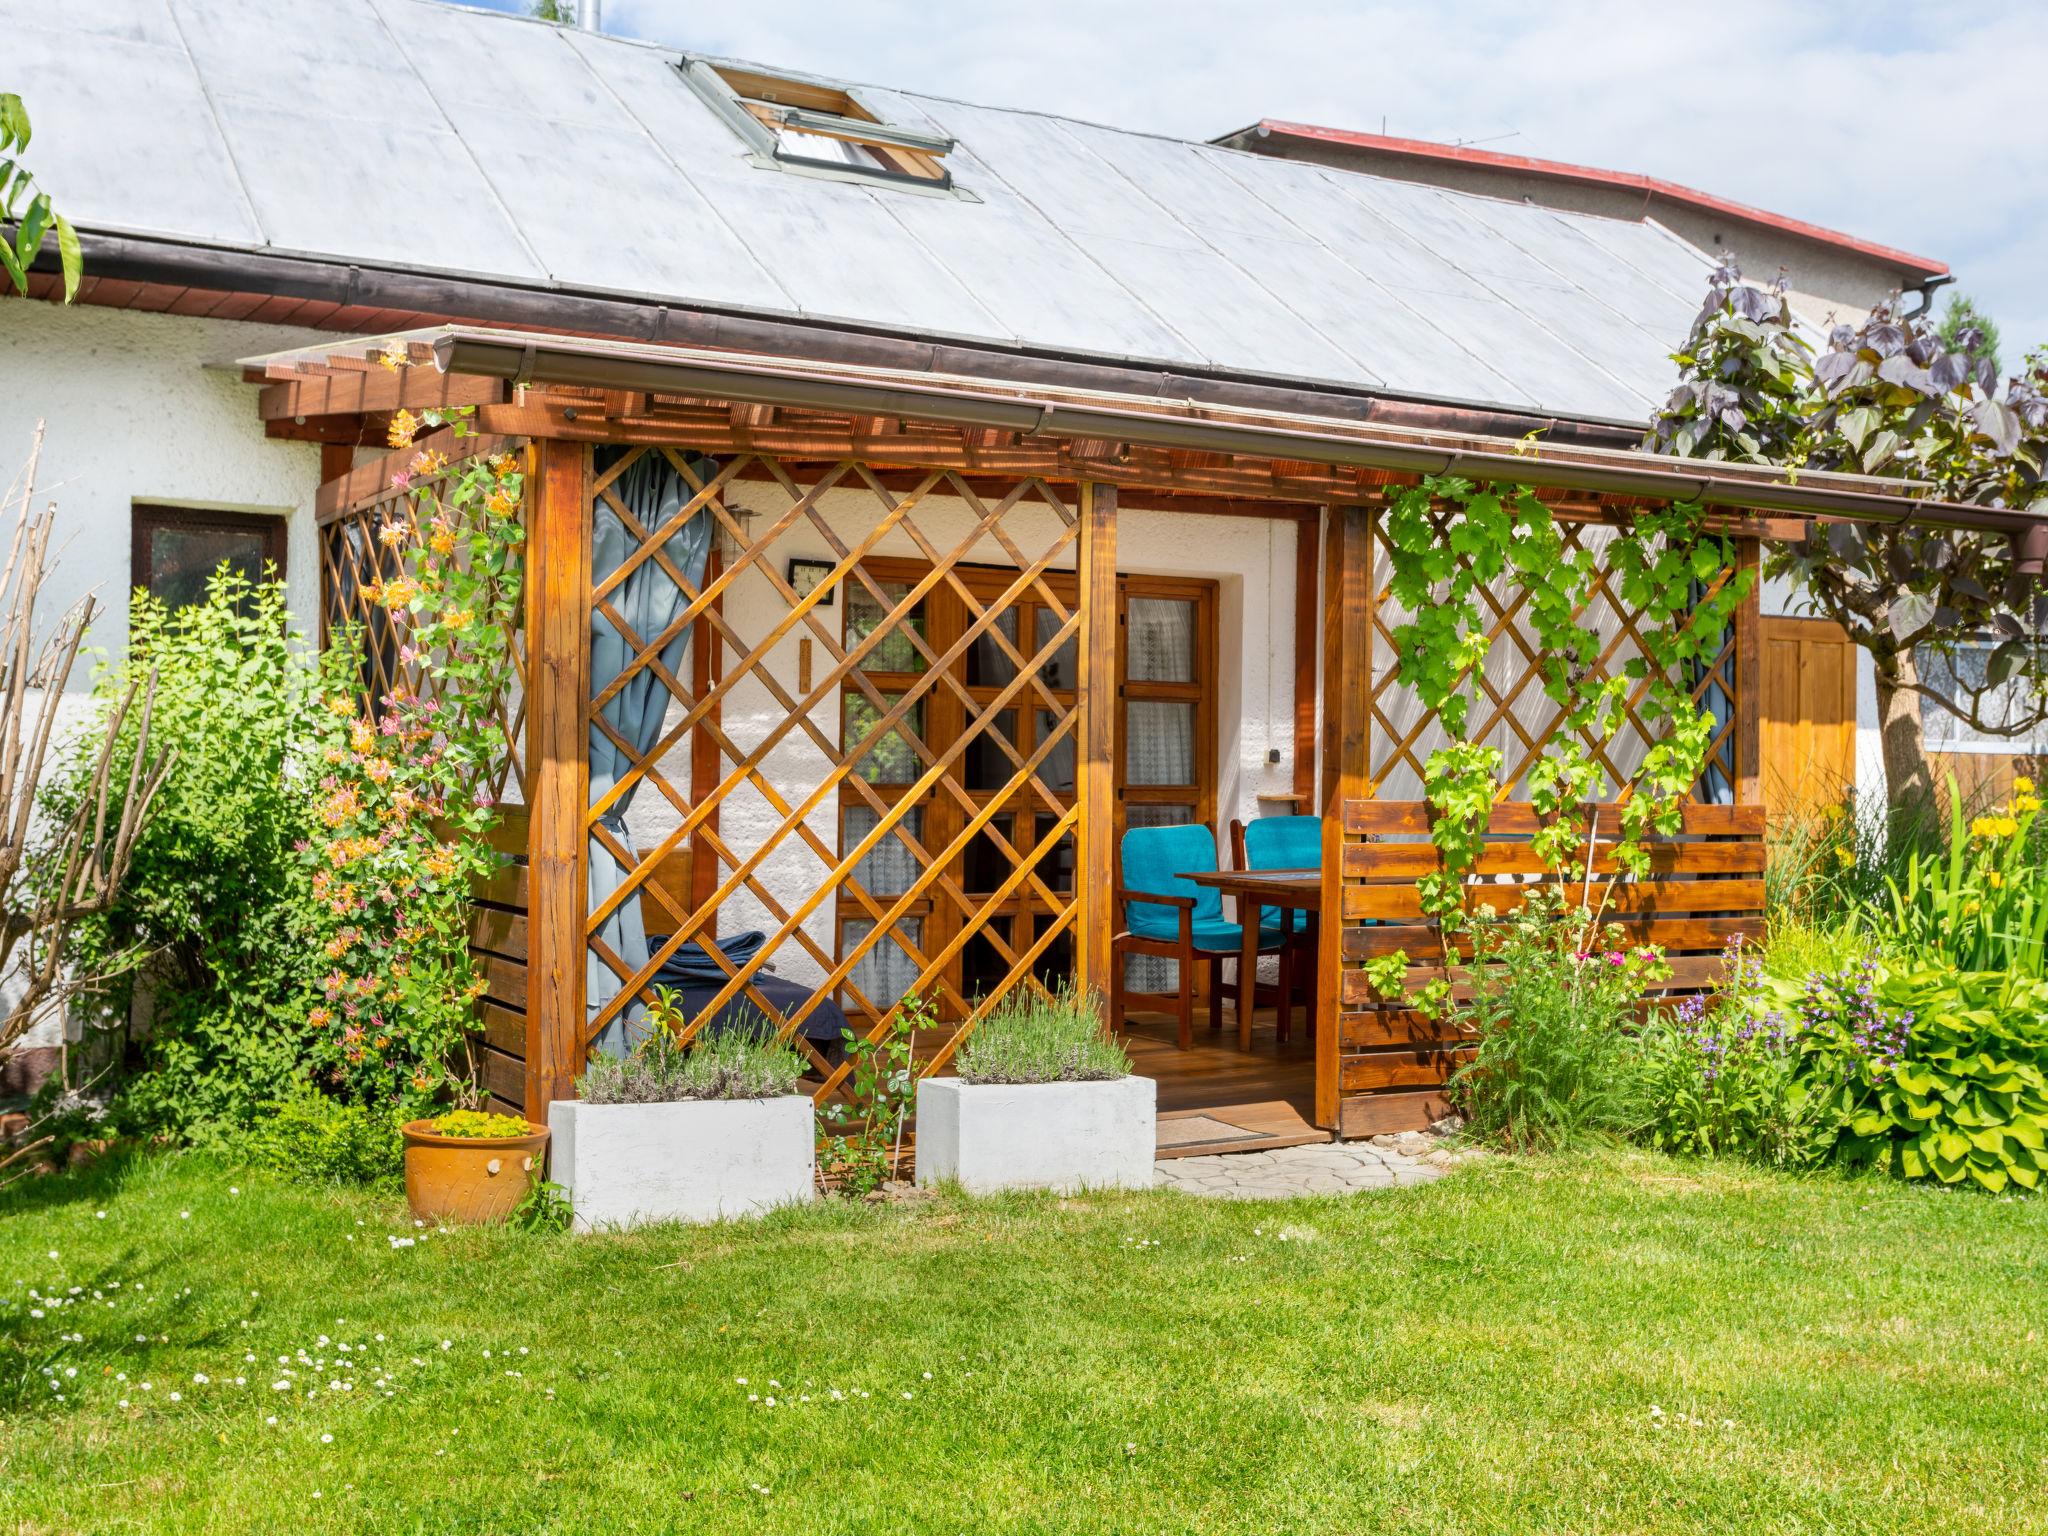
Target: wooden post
<point x="1307" y="613"/>
<point x="1095" y="781"/>
<point x="1749" y="680"/>
<point x="557" y="767"/>
<point x="1347" y="752"/>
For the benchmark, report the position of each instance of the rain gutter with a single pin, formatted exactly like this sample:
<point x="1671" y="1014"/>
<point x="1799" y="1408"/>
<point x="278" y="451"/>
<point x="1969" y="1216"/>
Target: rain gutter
<point x="762" y="382"/>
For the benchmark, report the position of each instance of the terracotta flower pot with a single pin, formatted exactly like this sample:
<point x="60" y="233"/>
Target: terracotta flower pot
<point x="468" y="1179"/>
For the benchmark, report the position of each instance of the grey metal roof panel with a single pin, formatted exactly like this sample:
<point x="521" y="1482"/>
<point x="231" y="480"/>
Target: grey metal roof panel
<point x="105" y="164"/>
<point x="417" y="134"/>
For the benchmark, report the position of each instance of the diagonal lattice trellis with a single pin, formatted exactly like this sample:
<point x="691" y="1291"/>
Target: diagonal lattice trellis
<point x="1509" y="707"/>
<point x="365" y="545"/>
<point x="773" y="758"/>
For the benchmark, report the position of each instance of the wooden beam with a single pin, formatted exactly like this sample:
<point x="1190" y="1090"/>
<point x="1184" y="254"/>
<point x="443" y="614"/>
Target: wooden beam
<point x="1308" y="608"/>
<point x="1749" y="681"/>
<point x="1096" y="772"/>
<point x="557" y="766"/>
<point x="1347" y="753"/>
<point x="378" y="389"/>
<point x="339" y="494"/>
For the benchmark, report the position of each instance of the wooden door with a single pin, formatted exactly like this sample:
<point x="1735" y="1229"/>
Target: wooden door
<point x="1808" y="716"/>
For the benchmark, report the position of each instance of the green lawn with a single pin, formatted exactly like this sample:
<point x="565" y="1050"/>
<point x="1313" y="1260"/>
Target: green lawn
<point x="1480" y="1355"/>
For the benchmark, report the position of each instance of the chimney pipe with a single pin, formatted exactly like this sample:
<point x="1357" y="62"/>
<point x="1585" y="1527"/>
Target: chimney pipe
<point x="590" y="15"/>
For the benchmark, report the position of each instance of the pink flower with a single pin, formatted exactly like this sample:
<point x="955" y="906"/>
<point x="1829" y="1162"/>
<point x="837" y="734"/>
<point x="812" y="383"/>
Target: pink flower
<point x="400" y="479"/>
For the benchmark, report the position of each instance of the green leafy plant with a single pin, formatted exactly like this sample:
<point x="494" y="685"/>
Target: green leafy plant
<point x="1722" y="1074"/>
<point x="746" y="1062"/>
<point x="478" y="1124"/>
<point x="1931" y="1074"/>
<point x="28" y="209"/>
<point x="1553" y="1009"/>
<point x="215" y="916"/>
<point x="1033" y="1037"/>
<point x="314" y="1138"/>
<point x="545" y="1207"/>
<point x="1449" y="540"/>
<point x="864" y="1144"/>
<point x="1981" y="903"/>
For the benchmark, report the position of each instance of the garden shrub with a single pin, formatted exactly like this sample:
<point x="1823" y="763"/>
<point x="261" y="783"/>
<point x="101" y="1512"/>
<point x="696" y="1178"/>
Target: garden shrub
<point x="1033" y="1037"/>
<point x="214" y="918"/>
<point x="317" y="1139"/>
<point x="1553" y="1010"/>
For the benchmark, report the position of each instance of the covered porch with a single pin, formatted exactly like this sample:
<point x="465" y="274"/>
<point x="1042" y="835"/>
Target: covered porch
<point x="882" y="667"/>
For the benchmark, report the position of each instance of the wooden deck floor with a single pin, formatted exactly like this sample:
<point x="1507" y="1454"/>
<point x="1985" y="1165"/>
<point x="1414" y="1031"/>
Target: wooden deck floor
<point x="1214" y="1097"/>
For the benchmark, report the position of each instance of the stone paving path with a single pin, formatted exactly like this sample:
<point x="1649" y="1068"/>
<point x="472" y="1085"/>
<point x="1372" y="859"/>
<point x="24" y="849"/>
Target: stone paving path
<point x="1323" y="1168"/>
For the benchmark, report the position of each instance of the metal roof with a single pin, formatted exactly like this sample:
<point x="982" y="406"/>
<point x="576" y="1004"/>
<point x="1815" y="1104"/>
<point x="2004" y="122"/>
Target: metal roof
<point x="1652" y="187"/>
<point x="415" y="135"/>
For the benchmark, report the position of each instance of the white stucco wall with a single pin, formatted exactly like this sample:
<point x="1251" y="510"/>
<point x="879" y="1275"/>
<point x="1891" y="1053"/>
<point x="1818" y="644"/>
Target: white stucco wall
<point x="1251" y="560"/>
<point x="145" y="408"/>
<point x="134" y="411"/>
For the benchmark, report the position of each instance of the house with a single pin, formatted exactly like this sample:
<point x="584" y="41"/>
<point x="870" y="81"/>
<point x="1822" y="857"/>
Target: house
<point x="1820" y="702"/>
<point x="1830" y="275"/>
<point x="941" y="490"/>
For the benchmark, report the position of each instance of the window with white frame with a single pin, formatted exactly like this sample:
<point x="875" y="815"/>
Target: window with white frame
<point x="1960" y="675"/>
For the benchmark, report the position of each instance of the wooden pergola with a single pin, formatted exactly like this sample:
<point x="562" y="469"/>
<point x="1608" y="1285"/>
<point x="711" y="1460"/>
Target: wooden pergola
<point x="1004" y="497"/>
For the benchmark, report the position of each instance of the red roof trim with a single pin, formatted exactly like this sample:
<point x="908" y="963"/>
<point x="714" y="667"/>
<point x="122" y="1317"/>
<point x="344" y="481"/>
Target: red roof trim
<point x="1650" y="186"/>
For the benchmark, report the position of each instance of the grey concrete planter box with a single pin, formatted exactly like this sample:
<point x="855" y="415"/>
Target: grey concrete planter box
<point x="1060" y="1136"/>
<point x="697" y="1160"/>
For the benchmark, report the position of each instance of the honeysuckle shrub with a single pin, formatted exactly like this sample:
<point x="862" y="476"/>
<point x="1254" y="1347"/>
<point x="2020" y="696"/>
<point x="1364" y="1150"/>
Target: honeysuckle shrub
<point x="405" y="802"/>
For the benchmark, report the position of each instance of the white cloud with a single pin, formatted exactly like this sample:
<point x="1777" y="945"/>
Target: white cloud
<point x="1902" y="123"/>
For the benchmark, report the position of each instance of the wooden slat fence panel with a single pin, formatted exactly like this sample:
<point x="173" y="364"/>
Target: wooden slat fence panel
<point x="1705" y="891"/>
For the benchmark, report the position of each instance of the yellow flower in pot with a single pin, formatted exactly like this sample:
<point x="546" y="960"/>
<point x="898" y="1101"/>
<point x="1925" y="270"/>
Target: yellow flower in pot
<point x="468" y="1166"/>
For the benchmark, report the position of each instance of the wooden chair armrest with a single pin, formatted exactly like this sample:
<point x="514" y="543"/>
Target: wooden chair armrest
<point x="1156" y="899"/>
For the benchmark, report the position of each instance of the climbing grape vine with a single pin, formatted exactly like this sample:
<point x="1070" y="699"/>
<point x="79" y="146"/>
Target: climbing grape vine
<point x="1448" y="540"/>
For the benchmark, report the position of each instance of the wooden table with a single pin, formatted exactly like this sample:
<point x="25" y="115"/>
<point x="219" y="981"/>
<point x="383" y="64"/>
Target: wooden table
<point x="1291" y="890"/>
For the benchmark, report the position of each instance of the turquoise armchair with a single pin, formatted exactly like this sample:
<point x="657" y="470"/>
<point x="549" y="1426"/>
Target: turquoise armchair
<point x="1168" y="915"/>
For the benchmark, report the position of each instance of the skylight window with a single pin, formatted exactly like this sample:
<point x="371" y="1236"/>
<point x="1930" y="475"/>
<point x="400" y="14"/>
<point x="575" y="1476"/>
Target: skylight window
<point x="826" y="129"/>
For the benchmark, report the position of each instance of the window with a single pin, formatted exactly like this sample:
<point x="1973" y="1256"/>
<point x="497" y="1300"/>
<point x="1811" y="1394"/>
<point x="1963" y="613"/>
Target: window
<point x="817" y="126"/>
<point x="177" y="548"/>
<point x="1961" y="676"/>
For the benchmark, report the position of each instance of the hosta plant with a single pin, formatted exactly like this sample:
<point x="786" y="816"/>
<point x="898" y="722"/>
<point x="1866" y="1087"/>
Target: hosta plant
<point x="1931" y="1074"/>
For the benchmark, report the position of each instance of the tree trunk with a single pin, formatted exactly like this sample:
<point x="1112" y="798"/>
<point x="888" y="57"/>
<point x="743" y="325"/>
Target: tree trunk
<point x="1908" y="776"/>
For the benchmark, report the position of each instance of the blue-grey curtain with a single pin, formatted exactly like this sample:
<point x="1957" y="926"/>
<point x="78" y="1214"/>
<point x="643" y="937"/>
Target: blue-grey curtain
<point x="647" y="601"/>
<point x="1715" y="787"/>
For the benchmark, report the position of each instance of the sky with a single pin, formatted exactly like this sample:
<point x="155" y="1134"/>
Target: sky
<point x="1914" y="125"/>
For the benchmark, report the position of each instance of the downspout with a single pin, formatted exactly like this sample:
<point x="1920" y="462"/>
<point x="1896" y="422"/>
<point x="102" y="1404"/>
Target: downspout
<point x="1926" y="292"/>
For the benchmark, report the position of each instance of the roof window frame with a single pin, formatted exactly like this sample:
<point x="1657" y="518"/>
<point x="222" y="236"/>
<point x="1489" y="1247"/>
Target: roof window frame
<point x="819" y="109"/>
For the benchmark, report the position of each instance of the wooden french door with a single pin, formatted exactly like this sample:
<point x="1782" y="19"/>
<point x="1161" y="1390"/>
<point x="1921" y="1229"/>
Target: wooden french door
<point x="1168" y="777"/>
